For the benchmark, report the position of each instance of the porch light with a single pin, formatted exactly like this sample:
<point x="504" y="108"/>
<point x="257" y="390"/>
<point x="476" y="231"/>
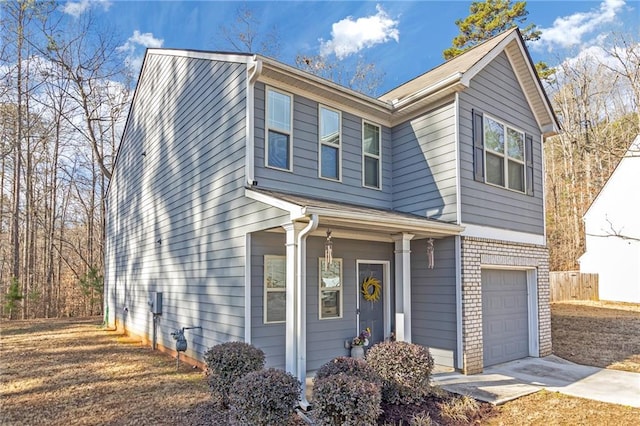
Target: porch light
<point x="430" y="260"/>
<point x="328" y="251"/>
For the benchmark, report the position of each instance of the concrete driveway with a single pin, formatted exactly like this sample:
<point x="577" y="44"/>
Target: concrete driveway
<point x="505" y="382"/>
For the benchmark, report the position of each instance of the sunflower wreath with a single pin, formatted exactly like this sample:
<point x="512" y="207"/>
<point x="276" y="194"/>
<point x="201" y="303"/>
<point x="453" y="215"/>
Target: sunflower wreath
<point x="371" y="289"/>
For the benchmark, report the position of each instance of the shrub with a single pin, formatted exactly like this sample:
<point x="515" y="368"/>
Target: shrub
<point x="405" y="369"/>
<point x="352" y="367"/>
<point x="346" y="400"/>
<point x="459" y="408"/>
<point x="266" y="397"/>
<point x="227" y="363"/>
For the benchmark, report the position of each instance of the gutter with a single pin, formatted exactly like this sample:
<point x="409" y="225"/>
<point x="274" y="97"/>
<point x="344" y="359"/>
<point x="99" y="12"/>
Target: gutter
<point x="254" y="69"/>
<point x="422" y="93"/>
<point x="301" y="303"/>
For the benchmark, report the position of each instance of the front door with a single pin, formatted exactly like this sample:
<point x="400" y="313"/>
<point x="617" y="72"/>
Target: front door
<point x="371" y="294"/>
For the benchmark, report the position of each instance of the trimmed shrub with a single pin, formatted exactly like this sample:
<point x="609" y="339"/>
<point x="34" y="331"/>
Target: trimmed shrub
<point x="353" y="367"/>
<point x="227" y="363"/>
<point x="405" y="369"/>
<point x="346" y="400"/>
<point x="266" y="397"/>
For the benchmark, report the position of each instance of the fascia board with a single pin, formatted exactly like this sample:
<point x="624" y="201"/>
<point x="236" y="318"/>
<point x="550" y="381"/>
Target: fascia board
<point x="294" y="210"/>
<point x="199" y="54"/>
<point x="372" y="219"/>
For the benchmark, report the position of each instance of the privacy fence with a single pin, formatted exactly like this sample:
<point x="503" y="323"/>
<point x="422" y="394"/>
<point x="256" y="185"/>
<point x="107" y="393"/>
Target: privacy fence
<point x="572" y="285"/>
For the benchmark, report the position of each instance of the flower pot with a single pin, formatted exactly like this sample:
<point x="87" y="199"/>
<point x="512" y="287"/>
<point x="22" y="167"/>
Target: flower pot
<point x="357" y="352"/>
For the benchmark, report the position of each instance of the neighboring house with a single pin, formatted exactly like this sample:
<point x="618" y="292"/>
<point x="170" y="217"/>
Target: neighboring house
<point x="233" y="167"/>
<point x="612" y="228"/>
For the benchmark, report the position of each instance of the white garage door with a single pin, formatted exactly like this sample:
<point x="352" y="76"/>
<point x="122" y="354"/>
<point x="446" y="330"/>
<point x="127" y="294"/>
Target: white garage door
<point x="505" y="318"/>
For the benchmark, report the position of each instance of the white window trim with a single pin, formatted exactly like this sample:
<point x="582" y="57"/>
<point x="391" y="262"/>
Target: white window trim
<point x="275" y="129"/>
<point x="378" y="157"/>
<point x="320" y="143"/>
<point x="265" y="290"/>
<point x="340" y="291"/>
<point x="505" y="156"/>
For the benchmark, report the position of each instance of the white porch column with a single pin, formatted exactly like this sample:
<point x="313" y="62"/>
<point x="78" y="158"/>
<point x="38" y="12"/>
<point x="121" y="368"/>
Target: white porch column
<point x="292" y="231"/>
<point x="403" y="285"/>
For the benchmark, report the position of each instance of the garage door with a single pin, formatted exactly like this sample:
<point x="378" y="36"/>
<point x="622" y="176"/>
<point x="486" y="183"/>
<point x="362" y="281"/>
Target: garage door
<point x="505" y="319"/>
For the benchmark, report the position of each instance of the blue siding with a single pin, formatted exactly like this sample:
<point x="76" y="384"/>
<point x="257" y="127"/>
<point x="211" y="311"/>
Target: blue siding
<point x="496" y="91"/>
<point x="304" y="179"/>
<point x="424" y="165"/>
<point x="177" y="215"/>
<point x="433" y="299"/>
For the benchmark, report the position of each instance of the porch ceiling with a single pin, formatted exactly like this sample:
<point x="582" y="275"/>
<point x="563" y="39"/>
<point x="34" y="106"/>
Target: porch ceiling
<point x="351" y="221"/>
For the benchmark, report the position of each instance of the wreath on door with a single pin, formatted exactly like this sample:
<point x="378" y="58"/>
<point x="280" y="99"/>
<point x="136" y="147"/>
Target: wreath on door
<point x="371" y="289"/>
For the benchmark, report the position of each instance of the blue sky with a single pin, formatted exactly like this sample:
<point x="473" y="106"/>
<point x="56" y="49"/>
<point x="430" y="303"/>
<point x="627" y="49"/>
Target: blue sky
<point x="403" y="39"/>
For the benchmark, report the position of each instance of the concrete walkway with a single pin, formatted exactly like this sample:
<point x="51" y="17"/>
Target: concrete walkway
<point x="505" y="382"/>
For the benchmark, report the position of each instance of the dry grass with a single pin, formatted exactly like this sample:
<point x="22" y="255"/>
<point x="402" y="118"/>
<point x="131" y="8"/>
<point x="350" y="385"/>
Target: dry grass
<point x="602" y="334"/>
<point x="73" y="372"/>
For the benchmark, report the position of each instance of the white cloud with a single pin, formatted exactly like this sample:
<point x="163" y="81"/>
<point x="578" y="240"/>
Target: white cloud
<point x="76" y="9"/>
<point x="350" y="36"/>
<point x="130" y="48"/>
<point x="568" y="31"/>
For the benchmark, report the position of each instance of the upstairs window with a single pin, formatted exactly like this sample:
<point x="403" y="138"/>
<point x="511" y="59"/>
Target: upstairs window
<point x="330" y="141"/>
<point x="371" y="170"/>
<point x="279" y="125"/>
<point x="502" y="154"/>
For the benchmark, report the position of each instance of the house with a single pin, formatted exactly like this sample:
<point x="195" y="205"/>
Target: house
<point x="612" y="228"/>
<point x="271" y="206"/>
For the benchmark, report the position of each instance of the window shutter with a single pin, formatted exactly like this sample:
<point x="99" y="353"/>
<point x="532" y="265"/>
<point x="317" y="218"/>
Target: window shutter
<point x="528" y="152"/>
<point x="478" y="146"/>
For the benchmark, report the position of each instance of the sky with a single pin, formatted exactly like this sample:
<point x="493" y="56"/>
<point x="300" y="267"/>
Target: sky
<point x="403" y="39"/>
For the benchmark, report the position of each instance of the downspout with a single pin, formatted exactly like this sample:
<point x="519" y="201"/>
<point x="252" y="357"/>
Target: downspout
<point x="249" y="158"/>
<point x="301" y="302"/>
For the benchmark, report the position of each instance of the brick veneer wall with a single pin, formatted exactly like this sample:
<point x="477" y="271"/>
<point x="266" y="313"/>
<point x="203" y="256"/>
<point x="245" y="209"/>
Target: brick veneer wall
<point x="478" y="252"/>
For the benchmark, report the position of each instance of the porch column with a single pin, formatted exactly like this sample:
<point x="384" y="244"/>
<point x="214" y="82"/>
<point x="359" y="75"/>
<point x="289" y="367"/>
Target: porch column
<point x="292" y="230"/>
<point x="403" y="285"/>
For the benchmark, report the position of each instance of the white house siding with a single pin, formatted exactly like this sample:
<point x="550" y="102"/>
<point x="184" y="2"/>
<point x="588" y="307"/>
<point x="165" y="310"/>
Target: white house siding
<point x="496" y="91"/>
<point x="424" y="164"/>
<point x="177" y="215"/>
<point x="304" y="179"/>
<point x="615" y="259"/>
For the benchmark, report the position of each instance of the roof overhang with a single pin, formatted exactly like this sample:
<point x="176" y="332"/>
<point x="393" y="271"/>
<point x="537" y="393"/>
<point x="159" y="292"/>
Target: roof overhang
<point x="322" y="90"/>
<point x="352" y="219"/>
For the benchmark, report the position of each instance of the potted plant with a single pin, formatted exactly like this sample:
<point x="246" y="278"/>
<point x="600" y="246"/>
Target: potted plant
<point x="359" y="342"/>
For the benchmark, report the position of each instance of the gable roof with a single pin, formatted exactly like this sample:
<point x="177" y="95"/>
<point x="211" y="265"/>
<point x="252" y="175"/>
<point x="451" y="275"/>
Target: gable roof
<point x="457" y="73"/>
<point x="632" y="152"/>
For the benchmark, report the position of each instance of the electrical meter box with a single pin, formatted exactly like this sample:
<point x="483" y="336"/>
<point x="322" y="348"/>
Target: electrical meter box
<point x="156" y="302"/>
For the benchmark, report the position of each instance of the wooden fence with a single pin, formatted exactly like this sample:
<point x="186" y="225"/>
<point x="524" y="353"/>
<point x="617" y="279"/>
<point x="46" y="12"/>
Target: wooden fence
<point x="572" y="285"/>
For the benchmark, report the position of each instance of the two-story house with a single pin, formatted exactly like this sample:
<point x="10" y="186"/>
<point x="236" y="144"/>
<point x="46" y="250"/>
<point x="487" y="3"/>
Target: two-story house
<point x="271" y="206"/>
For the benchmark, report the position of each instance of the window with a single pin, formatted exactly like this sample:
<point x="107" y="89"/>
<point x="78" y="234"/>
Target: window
<point x="278" y="137"/>
<point x="275" y="287"/>
<point x="503" y="155"/>
<point x="330" y="138"/>
<point x="371" y="155"/>
<point x="330" y="289"/>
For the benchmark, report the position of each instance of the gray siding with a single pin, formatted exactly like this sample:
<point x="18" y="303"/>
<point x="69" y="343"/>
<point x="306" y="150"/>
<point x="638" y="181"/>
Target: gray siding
<point x="433" y="299"/>
<point x="424" y="165"/>
<point x="325" y="338"/>
<point x="495" y="91"/>
<point x="304" y="178"/>
<point x="177" y="216"/>
<point x="268" y="337"/>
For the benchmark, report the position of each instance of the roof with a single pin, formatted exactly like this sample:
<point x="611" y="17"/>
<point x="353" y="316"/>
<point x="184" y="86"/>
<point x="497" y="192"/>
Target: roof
<point x="354" y="217"/>
<point x="457" y="73"/>
<point x="632" y="152"/>
<point x="409" y="99"/>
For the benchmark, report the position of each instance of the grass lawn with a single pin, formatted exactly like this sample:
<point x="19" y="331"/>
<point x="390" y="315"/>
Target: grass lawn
<point x="73" y="372"/>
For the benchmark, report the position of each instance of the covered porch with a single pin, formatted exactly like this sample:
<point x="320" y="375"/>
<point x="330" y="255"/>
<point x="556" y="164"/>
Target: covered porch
<point x="325" y="304"/>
